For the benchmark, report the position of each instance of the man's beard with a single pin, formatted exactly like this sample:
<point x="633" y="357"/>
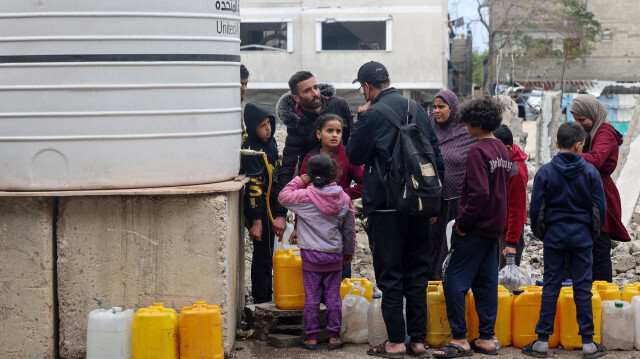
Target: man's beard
<point x="311" y="105"/>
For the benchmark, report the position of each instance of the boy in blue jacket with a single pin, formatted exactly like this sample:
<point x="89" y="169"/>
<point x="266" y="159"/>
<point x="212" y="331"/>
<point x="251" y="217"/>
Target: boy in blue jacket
<point x="567" y="212"/>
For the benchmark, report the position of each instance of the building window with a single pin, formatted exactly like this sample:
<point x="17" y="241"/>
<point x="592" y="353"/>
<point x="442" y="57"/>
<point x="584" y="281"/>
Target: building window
<point x="571" y="45"/>
<point x="607" y="34"/>
<point x="266" y="36"/>
<point x="365" y="34"/>
<point x="542" y="46"/>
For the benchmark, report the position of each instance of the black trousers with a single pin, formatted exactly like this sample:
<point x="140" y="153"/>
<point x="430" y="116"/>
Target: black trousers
<point x="602" y="267"/>
<point x="438" y="249"/>
<point x="400" y="261"/>
<point x="262" y="264"/>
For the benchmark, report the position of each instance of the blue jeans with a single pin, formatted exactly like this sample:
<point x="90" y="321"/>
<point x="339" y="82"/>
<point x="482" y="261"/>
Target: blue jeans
<point x="473" y="264"/>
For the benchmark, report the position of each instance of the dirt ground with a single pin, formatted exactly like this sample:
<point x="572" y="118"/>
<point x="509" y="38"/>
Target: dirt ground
<point x="246" y="349"/>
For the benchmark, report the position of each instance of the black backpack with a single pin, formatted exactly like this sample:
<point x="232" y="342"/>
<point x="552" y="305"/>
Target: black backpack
<point x="411" y="176"/>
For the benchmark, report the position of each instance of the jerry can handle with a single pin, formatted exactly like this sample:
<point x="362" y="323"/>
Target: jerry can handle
<point x="361" y="289"/>
<point x="359" y="280"/>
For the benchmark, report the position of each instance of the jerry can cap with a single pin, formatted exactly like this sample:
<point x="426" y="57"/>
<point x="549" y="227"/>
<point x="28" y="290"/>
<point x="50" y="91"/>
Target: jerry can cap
<point x="518" y="291"/>
<point x="619" y="304"/>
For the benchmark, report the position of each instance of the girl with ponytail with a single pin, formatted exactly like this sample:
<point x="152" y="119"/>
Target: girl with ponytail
<point x="326" y="237"/>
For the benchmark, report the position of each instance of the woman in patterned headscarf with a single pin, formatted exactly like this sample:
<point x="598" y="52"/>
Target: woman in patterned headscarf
<point x="601" y="150"/>
<point x="454" y="143"/>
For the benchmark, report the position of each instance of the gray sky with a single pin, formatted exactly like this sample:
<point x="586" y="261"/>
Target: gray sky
<point x="468" y="9"/>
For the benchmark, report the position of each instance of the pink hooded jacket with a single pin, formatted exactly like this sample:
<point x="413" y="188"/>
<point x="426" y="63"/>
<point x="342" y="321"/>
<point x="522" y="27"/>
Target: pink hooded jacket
<point x="326" y="219"/>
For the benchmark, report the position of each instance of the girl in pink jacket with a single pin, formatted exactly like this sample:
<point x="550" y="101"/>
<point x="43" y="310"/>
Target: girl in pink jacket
<point x="326" y="237"/>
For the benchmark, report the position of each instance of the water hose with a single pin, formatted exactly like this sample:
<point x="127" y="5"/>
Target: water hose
<point x="266" y="163"/>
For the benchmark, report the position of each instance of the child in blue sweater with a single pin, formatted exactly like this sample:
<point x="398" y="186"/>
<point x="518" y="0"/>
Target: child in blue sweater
<point x="567" y="212"/>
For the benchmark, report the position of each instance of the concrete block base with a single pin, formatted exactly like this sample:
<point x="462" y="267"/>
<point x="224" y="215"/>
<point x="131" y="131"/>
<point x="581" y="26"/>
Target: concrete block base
<point x="128" y="248"/>
<point x="269" y="320"/>
<point x="284" y="340"/>
<point x="27" y="284"/>
<point x="132" y="251"/>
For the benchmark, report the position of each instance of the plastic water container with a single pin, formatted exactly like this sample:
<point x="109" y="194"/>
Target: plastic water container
<point x="155" y="333"/>
<point x="376" y="326"/>
<point x="288" y="288"/>
<point x="503" y="317"/>
<point x="109" y="333"/>
<point x="525" y="313"/>
<point x="511" y="276"/>
<point x="635" y="304"/>
<point x="355" y="308"/>
<point x="284" y="244"/>
<point x="629" y="291"/>
<point x="118" y="94"/>
<point x="618" y="325"/>
<point x="566" y="283"/>
<point x="349" y="283"/>
<point x="607" y="291"/>
<point x="200" y="328"/>
<point x="569" y="337"/>
<point x="471" y="316"/>
<point x="438" y="328"/>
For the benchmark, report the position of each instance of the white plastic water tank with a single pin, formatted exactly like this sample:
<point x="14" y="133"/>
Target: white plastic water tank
<point x="118" y="93"/>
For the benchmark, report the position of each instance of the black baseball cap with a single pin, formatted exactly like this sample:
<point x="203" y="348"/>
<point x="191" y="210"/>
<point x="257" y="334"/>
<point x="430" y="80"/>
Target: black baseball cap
<point x="372" y="72"/>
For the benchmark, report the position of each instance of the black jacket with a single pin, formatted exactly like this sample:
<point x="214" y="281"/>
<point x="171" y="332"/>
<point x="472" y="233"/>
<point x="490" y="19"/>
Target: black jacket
<point x="373" y="135"/>
<point x="301" y="128"/>
<point x="254" y="167"/>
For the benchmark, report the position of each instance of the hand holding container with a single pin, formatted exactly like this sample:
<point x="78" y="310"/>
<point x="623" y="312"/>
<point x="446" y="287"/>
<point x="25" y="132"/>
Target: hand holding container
<point x="511" y="276"/>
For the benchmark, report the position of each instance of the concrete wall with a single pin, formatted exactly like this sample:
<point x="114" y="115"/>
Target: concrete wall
<point x="27" y="295"/>
<point x="628" y="170"/>
<point x="128" y="251"/>
<point x="462" y="59"/>
<point x="417" y="60"/>
<point x="613" y="60"/>
<point x="548" y="123"/>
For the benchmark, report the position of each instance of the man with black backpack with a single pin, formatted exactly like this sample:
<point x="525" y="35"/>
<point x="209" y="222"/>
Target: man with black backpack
<point x="394" y="139"/>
